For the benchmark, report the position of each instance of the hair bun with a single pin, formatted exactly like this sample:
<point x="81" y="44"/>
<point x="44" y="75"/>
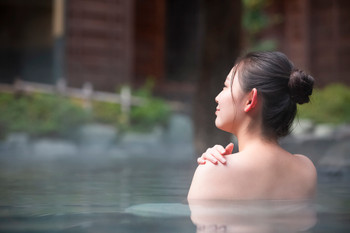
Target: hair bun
<point x="300" y="86"/>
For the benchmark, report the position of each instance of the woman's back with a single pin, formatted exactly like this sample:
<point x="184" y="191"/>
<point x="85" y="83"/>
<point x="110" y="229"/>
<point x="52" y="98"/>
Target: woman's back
<point x="268" y="174"/>
<point x="258" y="104"/>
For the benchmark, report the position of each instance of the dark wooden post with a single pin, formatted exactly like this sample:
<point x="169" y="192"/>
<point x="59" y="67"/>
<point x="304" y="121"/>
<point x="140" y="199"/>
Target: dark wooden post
<point x="220" y="26"/>
<point x="58" y="39"/>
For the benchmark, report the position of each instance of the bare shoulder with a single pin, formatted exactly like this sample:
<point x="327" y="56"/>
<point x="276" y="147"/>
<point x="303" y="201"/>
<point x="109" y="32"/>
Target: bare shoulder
<point x="210" y="171"/>
<point x="305" y="161"/>
<point x="308" y="173"/>
<point x="210" y="181"/>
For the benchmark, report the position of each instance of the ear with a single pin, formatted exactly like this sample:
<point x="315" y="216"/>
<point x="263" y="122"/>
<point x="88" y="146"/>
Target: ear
<point x="252" y="100"/>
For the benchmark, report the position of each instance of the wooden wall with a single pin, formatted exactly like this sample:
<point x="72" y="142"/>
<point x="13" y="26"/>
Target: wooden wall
<point x="114" y="42"/>
<point x="149" y="40"/>
<point x="317" y="38"/>
<point x="330" y="40"/>
<point x="99" y="43"/>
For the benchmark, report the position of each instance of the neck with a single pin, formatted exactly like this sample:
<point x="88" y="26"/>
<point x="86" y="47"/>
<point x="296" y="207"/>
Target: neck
<point x="252" y="139"/>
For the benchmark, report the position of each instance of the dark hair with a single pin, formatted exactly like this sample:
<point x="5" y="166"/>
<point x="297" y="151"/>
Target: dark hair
<point x="280" y="85"/>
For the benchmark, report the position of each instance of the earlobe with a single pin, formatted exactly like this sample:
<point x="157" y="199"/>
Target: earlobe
<point x="252" y="101"/>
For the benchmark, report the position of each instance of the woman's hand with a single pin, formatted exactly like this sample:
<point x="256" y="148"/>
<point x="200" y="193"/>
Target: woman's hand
<point x="216" y="154"/>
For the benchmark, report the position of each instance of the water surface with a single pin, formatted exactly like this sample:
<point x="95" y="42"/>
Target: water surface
<point x="144" y="193"/>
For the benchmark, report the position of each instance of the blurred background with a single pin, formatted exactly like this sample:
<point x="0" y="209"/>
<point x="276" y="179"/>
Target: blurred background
<point x="110" y="43"/>
<point x="179" y="50"/>
<point x="120" y="94"/>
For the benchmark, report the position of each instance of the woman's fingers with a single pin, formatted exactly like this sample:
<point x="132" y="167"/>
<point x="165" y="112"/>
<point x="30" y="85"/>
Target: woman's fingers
<point x="229" y="148"/>
<point x="200" y="161"/>
<point x="216" y="154"/>
<point x="209" y="155"/>
<point x="220" y="148"/>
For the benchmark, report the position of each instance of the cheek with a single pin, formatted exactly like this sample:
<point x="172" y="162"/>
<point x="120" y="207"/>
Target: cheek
<point x="229" y="107"/>
<point x="230" y="103"/>
<point x="226" y="115"/>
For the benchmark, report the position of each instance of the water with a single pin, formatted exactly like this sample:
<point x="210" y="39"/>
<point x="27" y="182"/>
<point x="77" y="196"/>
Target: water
<point x="145" y="193"/>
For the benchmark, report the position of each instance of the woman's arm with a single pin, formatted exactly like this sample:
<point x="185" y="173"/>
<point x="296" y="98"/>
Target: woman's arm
<point x="204" y="182"/>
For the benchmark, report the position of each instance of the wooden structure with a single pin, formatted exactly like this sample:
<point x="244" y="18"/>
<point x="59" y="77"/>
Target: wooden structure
<point x="105" y="42"/>
<point x="114" y="42"/>
<point x="315" y="34"/>
<point x="99" y="42"/>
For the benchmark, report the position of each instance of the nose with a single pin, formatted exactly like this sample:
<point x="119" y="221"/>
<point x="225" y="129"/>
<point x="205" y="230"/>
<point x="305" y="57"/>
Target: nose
<point x="216" y="99"/>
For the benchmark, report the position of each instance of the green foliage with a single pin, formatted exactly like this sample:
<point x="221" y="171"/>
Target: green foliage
<point x="39" y="114"/>
<point x="144" y="117"/>
<point x="153" y="111"/>
<point x="52" y="115"/>
<point x="328" y="105"/>
<point x="254" y="21"/>
<point x="105" y="112"/>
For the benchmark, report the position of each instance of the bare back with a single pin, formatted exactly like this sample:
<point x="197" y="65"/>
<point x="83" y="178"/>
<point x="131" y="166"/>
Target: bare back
<point x="271" y="174"/>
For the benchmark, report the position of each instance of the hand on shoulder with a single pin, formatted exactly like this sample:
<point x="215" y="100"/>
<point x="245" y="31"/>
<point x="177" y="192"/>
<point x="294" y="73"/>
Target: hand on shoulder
<point x="216" y="154"/>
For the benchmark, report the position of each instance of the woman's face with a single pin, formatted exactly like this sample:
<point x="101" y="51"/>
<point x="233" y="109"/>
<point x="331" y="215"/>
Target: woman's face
<point x="230" y="104"/>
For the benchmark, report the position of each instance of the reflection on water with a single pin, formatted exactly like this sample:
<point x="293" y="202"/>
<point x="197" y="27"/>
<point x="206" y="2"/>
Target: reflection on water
<point x="145" y="193"/>
<point x="236" y="216"/>
<point x="90" y="194"/>
<point x="253" y="216"/>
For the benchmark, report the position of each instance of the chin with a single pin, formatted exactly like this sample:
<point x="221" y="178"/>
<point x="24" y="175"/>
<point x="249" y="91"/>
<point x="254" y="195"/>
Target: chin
<point x="220" y="126"/>
<point x="223" y="127"/>
<point x="217" y="124"/>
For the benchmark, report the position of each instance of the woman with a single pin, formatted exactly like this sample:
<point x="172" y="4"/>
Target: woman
<point x="258" y="105"/>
